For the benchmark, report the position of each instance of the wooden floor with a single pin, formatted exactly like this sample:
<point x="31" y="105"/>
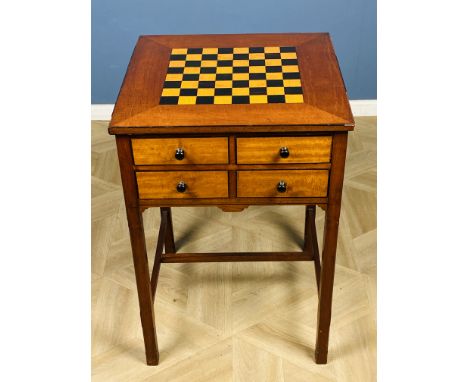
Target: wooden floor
<point x="235" y="321"/>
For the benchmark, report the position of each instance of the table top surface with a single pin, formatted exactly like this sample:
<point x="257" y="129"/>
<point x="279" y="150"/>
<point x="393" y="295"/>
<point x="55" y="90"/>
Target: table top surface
<point x="227" y="81"/>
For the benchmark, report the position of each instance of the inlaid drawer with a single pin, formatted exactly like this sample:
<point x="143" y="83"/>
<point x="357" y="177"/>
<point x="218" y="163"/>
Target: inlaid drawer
<point x="261" y="150"/>
<point x="282" y="183"/>
<point x="154" y="151"/>
<point x="182" y="184"/>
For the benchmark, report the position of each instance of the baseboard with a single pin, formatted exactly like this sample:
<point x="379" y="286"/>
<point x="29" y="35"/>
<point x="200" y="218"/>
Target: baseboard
<point x="101" y="112"/>
<point x="364" y="107"/>
<point x="360" y="108"/>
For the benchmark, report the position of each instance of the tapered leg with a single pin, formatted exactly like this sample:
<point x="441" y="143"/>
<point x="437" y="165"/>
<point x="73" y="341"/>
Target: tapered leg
<point x="310" y="240"/>
<point x="159" y="251"/>
<point x="145" y="298"/>
<point x="137" y="239"/>
<point x="326" y="288"/>
<point x="169" y="242"/>
<point x="330" y="238"/>
<point x="307" y="231"/>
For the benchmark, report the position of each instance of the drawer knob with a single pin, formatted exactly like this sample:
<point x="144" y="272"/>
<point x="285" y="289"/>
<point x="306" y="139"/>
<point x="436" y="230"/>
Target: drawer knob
<point x="281" y="186"/>
<point x="181" y="186"/>
<point x="179" y="154"/>
<point x="284" y="152"/>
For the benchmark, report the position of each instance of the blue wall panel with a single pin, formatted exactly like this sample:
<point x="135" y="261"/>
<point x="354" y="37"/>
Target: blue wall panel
<point x="116" y="25"/>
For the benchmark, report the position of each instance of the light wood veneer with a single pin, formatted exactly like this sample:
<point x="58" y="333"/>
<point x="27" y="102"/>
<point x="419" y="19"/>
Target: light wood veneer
<point x="147" y="151"/>
<point x="266" y="150"/>
<point x="299" y="183"/>
<point x="200" y="184"/>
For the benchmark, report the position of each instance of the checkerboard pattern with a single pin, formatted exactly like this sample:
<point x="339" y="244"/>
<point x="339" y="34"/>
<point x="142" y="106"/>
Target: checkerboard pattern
<point x="255" y="75"/>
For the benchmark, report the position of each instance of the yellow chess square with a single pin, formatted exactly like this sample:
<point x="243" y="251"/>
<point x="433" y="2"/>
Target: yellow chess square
<point x="257" y="69"/>
<point x="223" y="84"/>
<point x="294" y="98"/>
<point x="273" y="62"/>
<point x="187" y="100"/>
<point x="190" y="70"/>
<point x="205" y="92"/>
<point x="272" y="49"/>
<point x="288" y="55"/>
<point x="170" y="92"/>
<point x="193" y="57"/>
<point x="176" y="64"/>
<point x="240" y="91"/>
<point x="179" y="51"/>
<point x="241" y="50"/>
<point x="174" y="77"/>
<point x="292" y="83"/>
<point x="290" y="69"/>
<point x="224" y="69"/>
<point x="258" y="99"/>
<point x="209" y="64"/>
<point x="207" y="77"/>
<point x="240" y="76"/>
<point x="274" y="76"/>
<point x="225" y="56"/>
<point x="189" y="85"/>
<point x="210" y="50"/>
<point x="257" y="83"/>
<point x="222" y="100"/>
<point x="277" y="90"/>
<point x="240" y="63"/>
<point x="256" y="56"/>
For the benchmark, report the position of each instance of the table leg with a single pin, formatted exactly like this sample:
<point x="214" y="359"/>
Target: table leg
<point x="145" y="298"/>
<point x="326" y="287"/>
<point x="330" y="238"/>
<point x="137" y="240"/>
<point x="169" y="241"/>
<point x="307" y="234"/>
<point x="310" y="240"/>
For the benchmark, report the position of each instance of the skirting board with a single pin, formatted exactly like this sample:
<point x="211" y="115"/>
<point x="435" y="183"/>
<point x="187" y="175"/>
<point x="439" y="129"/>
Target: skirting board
<point x="360" y="108"/>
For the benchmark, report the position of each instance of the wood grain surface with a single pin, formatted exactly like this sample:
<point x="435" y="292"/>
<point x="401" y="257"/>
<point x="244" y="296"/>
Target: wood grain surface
<point x="325" y="101"/>
<point x="147" y="151"/>
<point x="263" y="150"/>
<point x="300" y="183"/>
<point x="200" y="184"/>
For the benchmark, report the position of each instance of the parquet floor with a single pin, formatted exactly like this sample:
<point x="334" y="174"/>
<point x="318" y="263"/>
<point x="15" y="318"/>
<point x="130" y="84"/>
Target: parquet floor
<point x="235" y="321"/>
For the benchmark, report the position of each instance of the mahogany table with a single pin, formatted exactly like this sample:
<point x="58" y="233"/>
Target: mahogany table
<point x="232" y="121"/>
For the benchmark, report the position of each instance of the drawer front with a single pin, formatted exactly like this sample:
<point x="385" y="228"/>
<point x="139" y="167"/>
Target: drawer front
<point x="298" y="150"/>
<point x="198" y="184"/>
<point x="297" y="183"/>
<point x="194" y="151"/>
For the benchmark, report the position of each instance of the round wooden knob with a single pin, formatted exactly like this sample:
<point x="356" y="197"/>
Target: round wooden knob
<point x="179" y="154"/>
<point x="281" y="186"/>
<point x="181" y="186"/>
<point x="284" y="152"/>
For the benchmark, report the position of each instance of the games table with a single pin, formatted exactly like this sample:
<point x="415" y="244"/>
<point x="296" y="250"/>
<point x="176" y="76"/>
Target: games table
<point x="232" y="121"/>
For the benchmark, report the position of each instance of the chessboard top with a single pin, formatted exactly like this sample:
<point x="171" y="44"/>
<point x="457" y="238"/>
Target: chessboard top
<point x="232" y="81"/>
